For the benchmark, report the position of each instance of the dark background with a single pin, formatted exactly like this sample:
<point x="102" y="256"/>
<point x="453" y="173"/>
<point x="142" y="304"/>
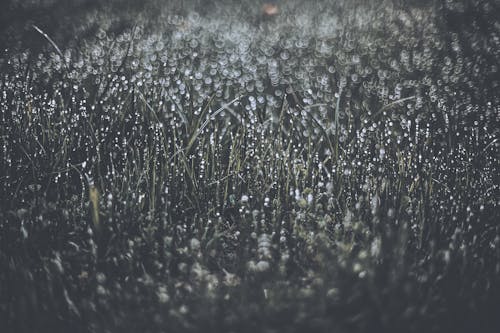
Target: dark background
<point x="67" y="20"/>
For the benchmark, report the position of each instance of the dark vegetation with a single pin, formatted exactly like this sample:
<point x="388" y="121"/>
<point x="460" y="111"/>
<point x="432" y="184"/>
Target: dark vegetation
<point x="193" y="167"/>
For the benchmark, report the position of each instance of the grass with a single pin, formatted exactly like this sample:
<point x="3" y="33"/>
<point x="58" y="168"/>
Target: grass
<point x="336" y="171"/>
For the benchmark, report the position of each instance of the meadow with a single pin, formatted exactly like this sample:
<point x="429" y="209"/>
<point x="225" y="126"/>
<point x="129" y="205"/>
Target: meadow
<point x="194" y="166"/>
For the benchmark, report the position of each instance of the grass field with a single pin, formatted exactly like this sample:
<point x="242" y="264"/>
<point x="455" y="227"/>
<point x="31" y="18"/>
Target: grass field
<point x="196" y="167"/>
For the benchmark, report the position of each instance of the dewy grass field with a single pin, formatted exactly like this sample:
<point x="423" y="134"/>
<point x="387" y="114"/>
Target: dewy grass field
<point x="193" y="166"/>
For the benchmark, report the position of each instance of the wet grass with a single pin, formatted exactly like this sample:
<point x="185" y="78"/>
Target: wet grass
<point x="331" y="169"/>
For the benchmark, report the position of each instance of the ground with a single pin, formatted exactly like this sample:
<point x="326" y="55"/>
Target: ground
<point x="198" y="166"/>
